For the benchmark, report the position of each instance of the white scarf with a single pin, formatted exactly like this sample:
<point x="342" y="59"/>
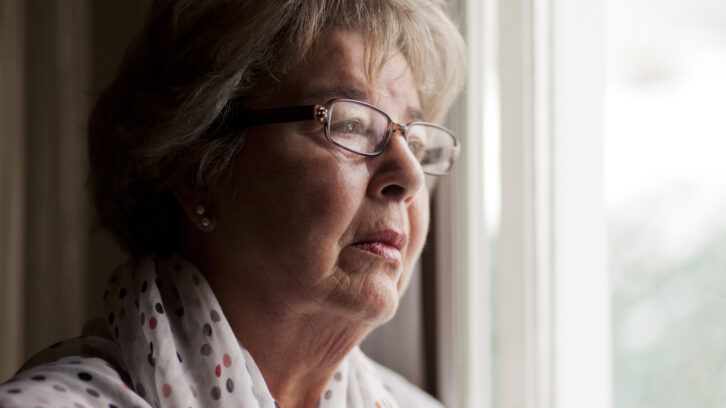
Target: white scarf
<point x="180" y="351"/>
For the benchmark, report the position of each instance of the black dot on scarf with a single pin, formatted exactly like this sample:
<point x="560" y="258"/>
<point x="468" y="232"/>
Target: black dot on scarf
<point x="38" y="378"/>
<point x="230" y="385"/>
<point x="159" y="308"/>
<point x="122" y="293"/>
<point x="216" y="393"/>
<point x="207" y="329"/>
<point x="85" y="376"/>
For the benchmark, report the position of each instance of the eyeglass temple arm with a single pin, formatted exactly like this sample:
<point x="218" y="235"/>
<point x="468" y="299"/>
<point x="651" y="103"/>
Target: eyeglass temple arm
<point x="241" y="117"/>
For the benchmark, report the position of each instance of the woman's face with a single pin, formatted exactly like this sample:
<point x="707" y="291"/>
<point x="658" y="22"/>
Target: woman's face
<point x="307" y="225"/>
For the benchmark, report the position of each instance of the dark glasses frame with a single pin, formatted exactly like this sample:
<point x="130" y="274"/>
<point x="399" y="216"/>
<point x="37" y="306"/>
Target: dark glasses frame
<point x="242" y="117"/>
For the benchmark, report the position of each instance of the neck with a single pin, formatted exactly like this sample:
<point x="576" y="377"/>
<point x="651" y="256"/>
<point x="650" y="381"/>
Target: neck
<point x="297" y="353"/>
<point x="300" y="356"/>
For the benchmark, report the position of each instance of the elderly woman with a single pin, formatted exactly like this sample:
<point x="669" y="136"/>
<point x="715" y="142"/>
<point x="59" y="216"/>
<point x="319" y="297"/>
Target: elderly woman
<point x="264" y="164"/>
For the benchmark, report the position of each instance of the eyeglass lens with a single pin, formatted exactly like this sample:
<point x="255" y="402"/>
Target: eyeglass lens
<point x="433" y="147"/>
<point x="358" y="127"/>
<point x="363" y="129"/>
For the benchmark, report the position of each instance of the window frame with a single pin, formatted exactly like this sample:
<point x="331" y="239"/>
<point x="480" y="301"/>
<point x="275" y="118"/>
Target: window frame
<point x="543" y="339"/>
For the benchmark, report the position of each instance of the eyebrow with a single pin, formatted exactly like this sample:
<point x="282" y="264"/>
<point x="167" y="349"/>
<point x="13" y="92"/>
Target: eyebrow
<point x="413" y="114"/>
<point x="339" y="92"/>
<point x="416" y="115"/>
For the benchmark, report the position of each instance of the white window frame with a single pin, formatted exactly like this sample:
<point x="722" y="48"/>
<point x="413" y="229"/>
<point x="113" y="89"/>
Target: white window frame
<point x="551" y="330"/>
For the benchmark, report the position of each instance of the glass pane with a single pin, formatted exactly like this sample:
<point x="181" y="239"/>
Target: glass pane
<point x="666" y="196"/>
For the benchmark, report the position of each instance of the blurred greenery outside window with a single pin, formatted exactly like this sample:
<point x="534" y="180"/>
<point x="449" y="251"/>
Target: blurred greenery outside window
<point x="665" y="177"/>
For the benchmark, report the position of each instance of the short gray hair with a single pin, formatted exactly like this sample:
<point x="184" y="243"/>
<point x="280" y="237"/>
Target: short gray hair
<point x="151" y="126"/>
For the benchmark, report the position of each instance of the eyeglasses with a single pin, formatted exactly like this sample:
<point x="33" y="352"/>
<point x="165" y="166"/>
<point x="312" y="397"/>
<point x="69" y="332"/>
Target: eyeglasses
<point x="364" y="129"/>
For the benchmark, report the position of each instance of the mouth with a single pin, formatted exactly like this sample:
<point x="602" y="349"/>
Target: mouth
<point x="386" y="244"/>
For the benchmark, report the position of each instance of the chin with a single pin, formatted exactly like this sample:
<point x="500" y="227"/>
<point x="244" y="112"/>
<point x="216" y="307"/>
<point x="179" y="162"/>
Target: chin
<point x="380" y="301"/>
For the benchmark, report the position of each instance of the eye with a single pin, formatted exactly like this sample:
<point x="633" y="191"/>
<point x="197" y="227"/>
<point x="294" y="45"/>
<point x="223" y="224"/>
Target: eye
<point x="348" y="127"/>
<point x="417" y="147"/>
<point x="433" y="156"/>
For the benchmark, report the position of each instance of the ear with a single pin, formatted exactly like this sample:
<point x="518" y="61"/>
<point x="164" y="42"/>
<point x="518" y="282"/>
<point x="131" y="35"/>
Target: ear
<point x="197" y="204"/>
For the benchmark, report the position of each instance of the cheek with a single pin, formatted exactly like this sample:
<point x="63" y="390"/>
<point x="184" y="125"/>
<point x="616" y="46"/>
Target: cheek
<point x="322" y="202"/>
<point x="302" y="198"/>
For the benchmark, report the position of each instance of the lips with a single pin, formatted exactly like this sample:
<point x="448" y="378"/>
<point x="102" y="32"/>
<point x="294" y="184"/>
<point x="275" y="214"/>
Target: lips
<point x="386" y="244"/>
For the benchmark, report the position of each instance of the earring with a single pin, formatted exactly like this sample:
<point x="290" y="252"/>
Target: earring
<point x="206" y="222"/>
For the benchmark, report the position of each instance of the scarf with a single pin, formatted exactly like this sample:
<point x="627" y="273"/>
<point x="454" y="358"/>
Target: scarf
<point x="179" y="350"/>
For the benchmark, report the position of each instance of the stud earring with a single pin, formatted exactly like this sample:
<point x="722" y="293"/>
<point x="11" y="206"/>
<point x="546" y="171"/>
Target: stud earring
<point x="205" y="221"/>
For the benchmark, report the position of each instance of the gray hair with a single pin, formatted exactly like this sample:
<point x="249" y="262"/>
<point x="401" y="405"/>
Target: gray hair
<point x="151" y="126"/>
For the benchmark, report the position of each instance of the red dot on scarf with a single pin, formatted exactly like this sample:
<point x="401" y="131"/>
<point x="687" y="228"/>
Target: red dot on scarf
<point x="227" y="360"/>
<point x="152" y="323"/>
<point x="167" y="390"/>
<point x="218" y="370"/>
<point x="378" y="405"/>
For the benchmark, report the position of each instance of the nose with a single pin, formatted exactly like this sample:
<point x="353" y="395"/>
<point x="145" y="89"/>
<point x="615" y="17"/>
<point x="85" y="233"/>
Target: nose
<point x="397" y="174"/>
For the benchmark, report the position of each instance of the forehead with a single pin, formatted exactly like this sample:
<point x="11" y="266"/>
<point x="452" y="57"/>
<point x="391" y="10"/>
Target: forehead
<point x="339" y="67"/>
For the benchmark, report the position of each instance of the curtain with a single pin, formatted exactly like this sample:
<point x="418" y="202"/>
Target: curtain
<point x="56" y="56"/>
<point x="12" y="166"/>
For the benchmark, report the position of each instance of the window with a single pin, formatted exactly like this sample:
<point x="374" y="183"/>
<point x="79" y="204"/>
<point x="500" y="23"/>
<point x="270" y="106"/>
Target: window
<point x="665" y="139"/>
<point x="583" y="257"/>
<point x="523" y="238"/>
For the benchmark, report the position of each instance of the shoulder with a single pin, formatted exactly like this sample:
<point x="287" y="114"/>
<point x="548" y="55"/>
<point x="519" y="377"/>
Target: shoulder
<point x="68" y="381"/>
<point x="406" y="394"/>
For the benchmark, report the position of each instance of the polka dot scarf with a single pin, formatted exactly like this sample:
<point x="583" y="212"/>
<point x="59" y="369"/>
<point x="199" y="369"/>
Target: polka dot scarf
<point x="171" y="346"/>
